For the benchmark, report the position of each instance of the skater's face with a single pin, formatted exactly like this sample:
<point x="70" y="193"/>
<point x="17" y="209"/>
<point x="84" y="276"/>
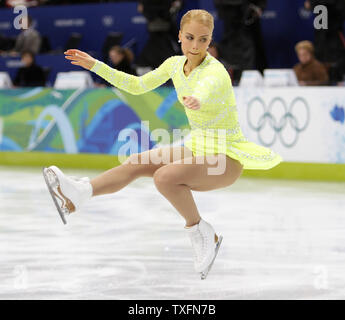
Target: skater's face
<point x="304" y="56"/>
<point x="195" y="38"/>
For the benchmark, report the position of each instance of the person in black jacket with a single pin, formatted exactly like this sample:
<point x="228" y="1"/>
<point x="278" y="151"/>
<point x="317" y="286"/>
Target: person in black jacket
<point x="30" y="75"/>
<point x="162" y="30"/>
<point x="253" y="20"/>
<point x="242" y="44"/>
<point x="330" y="43"/>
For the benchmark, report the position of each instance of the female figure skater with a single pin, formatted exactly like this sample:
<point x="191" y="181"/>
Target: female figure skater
<point x="204" y="87"/>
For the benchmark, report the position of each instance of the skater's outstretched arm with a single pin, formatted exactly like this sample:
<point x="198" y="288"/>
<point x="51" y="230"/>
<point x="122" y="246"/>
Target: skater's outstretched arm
<point x="130" y="83"/>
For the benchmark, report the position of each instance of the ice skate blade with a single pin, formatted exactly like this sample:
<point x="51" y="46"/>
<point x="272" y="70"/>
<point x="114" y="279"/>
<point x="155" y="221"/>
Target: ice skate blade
<point x="204" y="274"/>
<point x="52" y="181"/>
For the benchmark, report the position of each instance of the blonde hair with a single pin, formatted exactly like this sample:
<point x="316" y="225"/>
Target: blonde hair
<point x="307" y="45"/>
<point x="198" y="15"/>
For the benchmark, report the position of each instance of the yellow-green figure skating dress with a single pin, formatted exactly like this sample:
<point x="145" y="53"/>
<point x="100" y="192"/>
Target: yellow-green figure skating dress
<point x="214" y="127"/>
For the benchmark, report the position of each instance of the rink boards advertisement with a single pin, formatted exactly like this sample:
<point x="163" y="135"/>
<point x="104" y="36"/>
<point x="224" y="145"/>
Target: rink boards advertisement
<point x="301" y="124"/>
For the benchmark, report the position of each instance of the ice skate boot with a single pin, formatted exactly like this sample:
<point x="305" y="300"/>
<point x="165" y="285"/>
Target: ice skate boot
<point x="68" y="193"/>
<point x="205" y="245"/>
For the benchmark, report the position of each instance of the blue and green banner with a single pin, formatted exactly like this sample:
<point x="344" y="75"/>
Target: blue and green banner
<point x="84" y="120"/>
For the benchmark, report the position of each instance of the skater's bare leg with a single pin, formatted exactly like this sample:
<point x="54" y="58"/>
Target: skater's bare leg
<point x="113" y="179"/>
<point x="143" y="164"/>
<point x="176" y="180"/>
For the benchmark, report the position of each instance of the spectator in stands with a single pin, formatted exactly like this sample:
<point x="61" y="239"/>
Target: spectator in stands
<point x="161" y="25"/>
<point x="30" y="75"/>
<point x="309" y="71"/>
<point x="253" y="21"/>
<point x="242" y="30"/>
<point x="28" y="40"/>
<point x="120" y="59"/>
<point x="242" y="43"/>
<point x="213" y="50"/>
<point x="3" y="43"/>
<point x="330" y="42"/>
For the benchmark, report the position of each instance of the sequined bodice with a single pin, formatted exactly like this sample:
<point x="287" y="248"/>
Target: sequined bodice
<point x="209" y="82"/>
<point x="215" y="126"/>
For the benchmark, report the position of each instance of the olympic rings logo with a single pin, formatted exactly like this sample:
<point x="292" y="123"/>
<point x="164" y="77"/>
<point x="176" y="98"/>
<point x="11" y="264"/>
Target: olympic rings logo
<point x="289" y="117"/>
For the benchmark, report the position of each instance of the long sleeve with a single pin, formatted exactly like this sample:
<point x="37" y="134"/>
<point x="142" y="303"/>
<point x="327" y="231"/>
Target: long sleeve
<point x="134" y="84"/>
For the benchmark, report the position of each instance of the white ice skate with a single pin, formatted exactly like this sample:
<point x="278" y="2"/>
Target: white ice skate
<point x="68" y="193"/>
<point x="205" y="244"/>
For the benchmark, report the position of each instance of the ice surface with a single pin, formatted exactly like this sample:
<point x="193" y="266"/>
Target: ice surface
<point x="282" y="240"/>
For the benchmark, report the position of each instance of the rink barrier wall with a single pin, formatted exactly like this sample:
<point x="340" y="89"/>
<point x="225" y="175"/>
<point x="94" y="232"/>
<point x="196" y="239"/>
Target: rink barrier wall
<point x="285" y="170"/>
<point x="46" y="159"/>
<point x="300" y="124"/>
<point x="84" y="128"/>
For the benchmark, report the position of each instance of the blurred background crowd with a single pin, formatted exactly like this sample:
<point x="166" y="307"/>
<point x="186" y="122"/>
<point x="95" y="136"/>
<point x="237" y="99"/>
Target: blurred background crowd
<point x="321" y="60"/>
<point x="34" y="3"/>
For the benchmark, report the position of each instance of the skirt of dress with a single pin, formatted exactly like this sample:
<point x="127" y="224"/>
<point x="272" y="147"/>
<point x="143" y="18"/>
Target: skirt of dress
<point x="249" y="154"/>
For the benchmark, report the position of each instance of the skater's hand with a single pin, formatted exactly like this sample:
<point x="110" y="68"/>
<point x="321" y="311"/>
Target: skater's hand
<point x="80" y="58"/>
<point x="191" y="102"/>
